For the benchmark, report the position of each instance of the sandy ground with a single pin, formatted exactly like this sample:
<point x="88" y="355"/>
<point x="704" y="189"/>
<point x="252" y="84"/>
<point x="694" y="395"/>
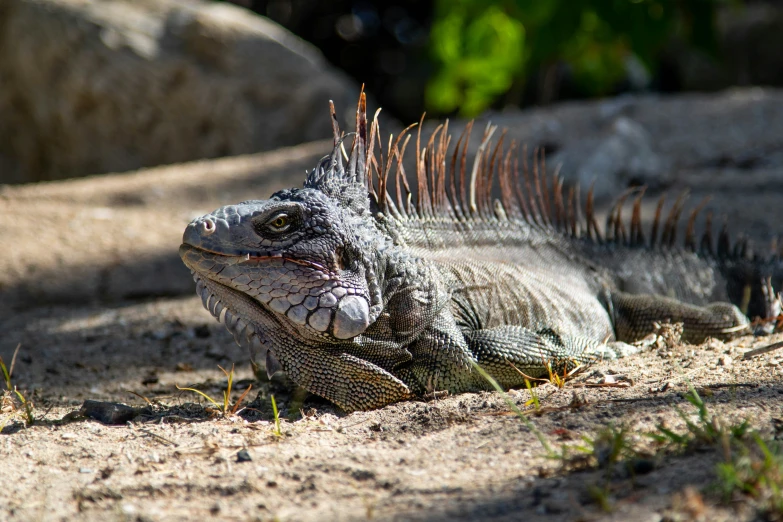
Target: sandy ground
<point x="463" y="457"/>
<point x="94" y="294"/>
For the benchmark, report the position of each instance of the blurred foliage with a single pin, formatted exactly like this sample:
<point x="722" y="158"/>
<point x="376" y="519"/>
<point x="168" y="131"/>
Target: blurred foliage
<point x="380" y="43"/>
<point x="464" y="56"/>
<point x="483" y="49"/>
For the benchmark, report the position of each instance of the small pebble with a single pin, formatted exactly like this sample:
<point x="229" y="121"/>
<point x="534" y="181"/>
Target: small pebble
<point x="725" y="360"/>
<point x="773" y="362"/>
<point x="108" y="412"/>
<point x="68" y="436"/>
<point x="243" y="456"/>
<point x="85" y="470"/>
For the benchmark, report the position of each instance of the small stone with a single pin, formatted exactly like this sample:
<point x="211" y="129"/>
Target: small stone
<point x="713" y="344"/>
<point x="243" y="456"/>
<point x="773" y="362"/>
<point x="85" y="470"/>
<point x="68" y="436"/>
<point x="107" y="412"/>
<point x="725" y="360"/>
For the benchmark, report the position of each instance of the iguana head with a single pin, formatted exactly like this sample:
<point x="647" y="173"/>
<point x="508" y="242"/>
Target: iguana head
<point x="300" y="264"/>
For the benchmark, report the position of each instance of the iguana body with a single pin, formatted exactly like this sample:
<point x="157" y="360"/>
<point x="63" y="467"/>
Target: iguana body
<point x="365" y="298"/>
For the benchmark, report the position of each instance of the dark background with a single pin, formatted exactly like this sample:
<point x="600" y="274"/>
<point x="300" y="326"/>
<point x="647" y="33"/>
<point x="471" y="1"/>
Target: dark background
<point x="696" y="45"/>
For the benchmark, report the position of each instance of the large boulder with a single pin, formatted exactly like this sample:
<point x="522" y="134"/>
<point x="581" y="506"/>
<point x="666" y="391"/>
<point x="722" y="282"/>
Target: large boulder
<point x="93" y="86"/>
<point x="658" y="141"/>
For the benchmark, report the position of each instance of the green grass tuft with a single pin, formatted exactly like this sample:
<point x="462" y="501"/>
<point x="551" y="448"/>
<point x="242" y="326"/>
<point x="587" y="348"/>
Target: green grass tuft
<point x="13" y="401"/>
<point x="226" y="409"/>
<point x="278" y="432"/>
<point x="755" y="469"/>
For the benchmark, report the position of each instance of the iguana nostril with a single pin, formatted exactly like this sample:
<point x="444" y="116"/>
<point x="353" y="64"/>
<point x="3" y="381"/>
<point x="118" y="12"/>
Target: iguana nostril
<point x="207" y="227"/>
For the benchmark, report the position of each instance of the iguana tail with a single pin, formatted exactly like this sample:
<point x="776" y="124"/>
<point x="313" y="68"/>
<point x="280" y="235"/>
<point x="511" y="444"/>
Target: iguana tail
<point x="698" y="270"/>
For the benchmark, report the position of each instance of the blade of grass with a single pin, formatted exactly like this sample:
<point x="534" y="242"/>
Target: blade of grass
<point x="140" y="396"/>
<point x="533" y="395"/>
<point x="13" y="360"/>
<point x="6" y="375"/>
<point x="28" y="407"/>
<point x="210" y="399"/>
<point x="227" y="391"/>
<point x="278" y="432"/>
<point x="240" y="399"/>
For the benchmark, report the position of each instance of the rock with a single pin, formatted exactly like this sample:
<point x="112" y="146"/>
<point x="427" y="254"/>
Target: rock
<point x="708" y="142"/>
<point x="108" y="412"/>
<point x="623" y="155"/>
<point x="243" y="456"/>
<point x="94" y="86"/>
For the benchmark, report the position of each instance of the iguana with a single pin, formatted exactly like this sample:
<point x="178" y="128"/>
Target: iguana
<point x="367" y="292"/>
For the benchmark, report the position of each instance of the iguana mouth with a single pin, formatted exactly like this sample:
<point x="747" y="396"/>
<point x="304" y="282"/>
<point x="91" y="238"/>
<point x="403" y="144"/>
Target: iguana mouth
<point x="214" y="298"/>
<point x="243" y="257"/>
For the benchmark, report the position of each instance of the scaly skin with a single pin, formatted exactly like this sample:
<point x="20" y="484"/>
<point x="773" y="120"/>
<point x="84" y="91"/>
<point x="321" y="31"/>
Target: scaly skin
<point x="366" y="303"/>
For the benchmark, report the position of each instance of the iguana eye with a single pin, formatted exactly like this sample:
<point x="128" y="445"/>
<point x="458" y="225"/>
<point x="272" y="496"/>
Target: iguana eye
<point x="280" y="222"/>
<point x="277" y="222"/>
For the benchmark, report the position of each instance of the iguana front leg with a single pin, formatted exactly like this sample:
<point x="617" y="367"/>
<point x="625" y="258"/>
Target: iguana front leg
<point x="635" y="315"/>
<point x="348" y="381"/>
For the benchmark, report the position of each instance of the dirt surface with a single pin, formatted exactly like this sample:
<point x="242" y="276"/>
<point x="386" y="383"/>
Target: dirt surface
<point x="93" y="292"/>
<point x="457" y="458"/>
